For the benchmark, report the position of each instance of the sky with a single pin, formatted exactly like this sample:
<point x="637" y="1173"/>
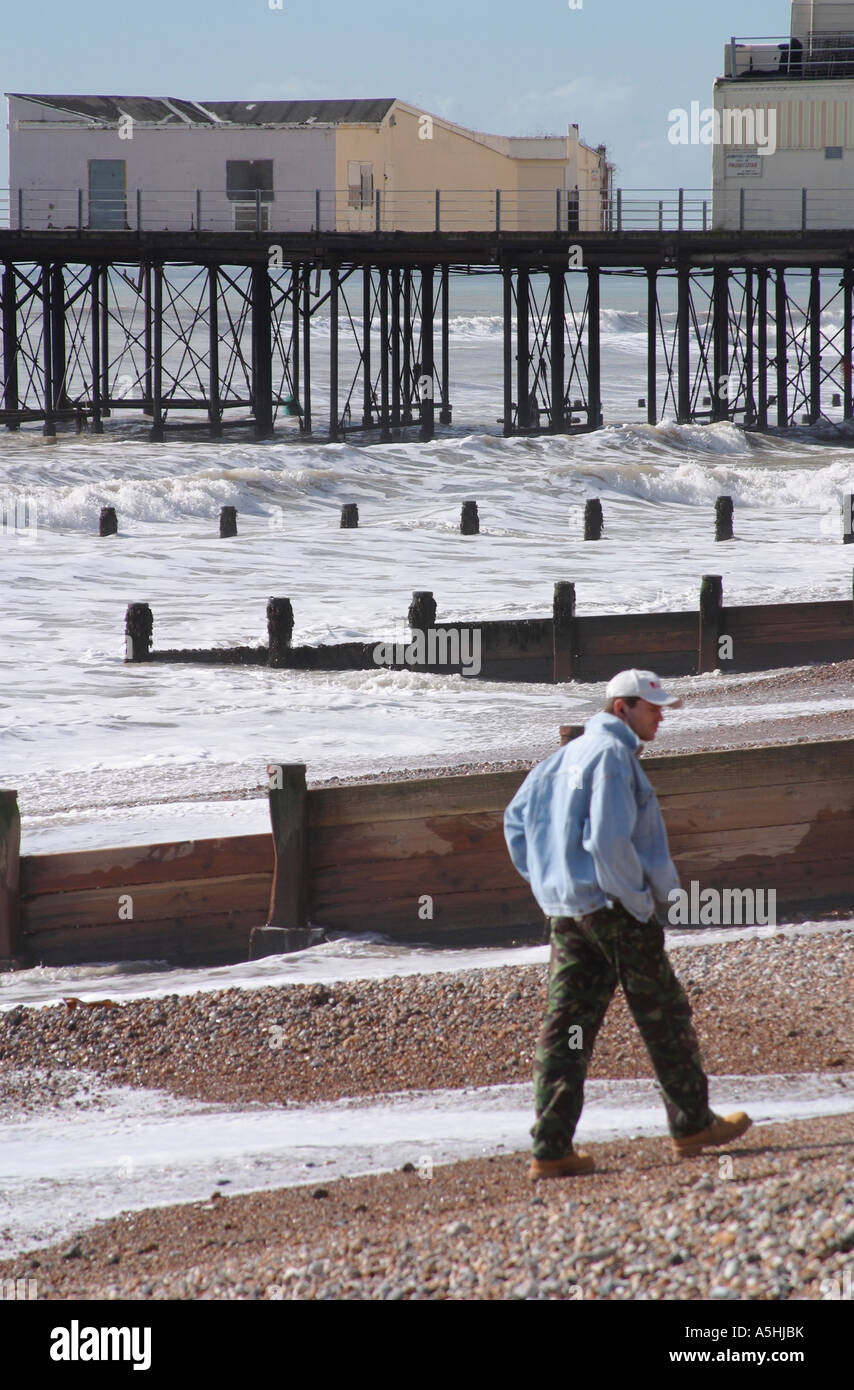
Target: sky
<point x="616" y="67"/>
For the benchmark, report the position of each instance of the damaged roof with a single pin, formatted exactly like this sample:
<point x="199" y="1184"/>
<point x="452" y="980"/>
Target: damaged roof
<point x="176" y="111"/>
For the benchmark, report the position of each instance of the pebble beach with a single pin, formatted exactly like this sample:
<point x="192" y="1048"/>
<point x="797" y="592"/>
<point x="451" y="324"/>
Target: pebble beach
<point x="771" y="1218"/>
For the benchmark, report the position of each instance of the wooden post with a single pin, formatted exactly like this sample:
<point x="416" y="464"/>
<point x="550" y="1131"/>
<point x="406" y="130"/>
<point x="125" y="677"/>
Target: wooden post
<point x="108" y="522"/>
<point x="422" y="610"/>
<point x="227" y="522"/>
<point x="349" y="516"/>
<point x="280" y="629"/>
<point x="723" y="519"/>
<point x="848" y="518"/>
<point x="139" y="625"/>
<point x="563" y="624"/>
<point x="10" y="878"/>
<point x="287" y="927"/>
<point x="593" y="519"/>
<point x="570" y="731"/>
<point x="711" y="603"/>
<point x="469" y="519"/>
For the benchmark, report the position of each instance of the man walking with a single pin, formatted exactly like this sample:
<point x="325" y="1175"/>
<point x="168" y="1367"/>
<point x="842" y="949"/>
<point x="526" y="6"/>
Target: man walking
<point x="586" y="831"/>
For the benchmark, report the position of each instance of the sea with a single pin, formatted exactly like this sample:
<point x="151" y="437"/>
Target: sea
<point x="102" y="752"/>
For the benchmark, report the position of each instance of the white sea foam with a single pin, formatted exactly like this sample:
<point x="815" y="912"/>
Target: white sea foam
<point x="109" y="1149"/>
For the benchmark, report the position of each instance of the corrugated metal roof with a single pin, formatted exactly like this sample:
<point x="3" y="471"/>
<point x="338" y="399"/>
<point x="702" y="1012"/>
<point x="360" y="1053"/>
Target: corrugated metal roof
<point x="176" y="110"/>
<point x="366" y="112"/>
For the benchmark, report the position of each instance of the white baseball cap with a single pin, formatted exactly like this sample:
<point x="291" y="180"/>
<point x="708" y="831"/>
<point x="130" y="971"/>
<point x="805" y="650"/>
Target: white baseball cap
<point x="644" y="684"/>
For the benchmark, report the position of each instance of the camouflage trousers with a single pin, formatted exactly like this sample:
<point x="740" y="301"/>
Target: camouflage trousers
<point x="589" y="957"/>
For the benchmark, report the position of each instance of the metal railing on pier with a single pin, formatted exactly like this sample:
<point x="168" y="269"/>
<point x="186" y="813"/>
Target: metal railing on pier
<point x="339" y="210"/>
<point x="740" y="208"/>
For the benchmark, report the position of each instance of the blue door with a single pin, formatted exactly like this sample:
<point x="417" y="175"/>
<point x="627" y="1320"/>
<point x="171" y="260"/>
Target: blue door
<point x="107" y="198"/>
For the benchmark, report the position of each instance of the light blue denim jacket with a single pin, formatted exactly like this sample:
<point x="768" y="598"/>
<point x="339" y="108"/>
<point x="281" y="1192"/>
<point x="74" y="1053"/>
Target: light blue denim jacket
<point x="585" y="828"/>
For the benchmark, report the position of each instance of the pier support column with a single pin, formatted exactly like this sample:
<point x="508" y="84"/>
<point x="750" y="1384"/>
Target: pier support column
<point x="395" y="348"/>
<point x="557" y="350"/>
<point x="262" y="353"/>
<point x="10" y="343"/>
<point x="367" y="315"/>
<point x="683" y="363"/>
<point x="305" y="417"/>
<point x="815" y="345"/>
<point x="508" y="351"/>
<point x="594" y="380"/>
<point x="105" y="340"/>
<point x="49" y="429"/>
<point x="749" y="397"/>
<point x="782" y="344"/>
<point x="296" y="281"/>
<point x="720" y="346"/>
<point x="147" y="387"/>
<point x="96" y="424"/>
<point x="428" y="407"/>
<point x="651" y="346"/>
<point x="523" y="351"/>
<point x="445" y="404"/>
<point x="155" y="434"/>
<point x="214" y="407"/>
<point x="762" y="346"/>
<point x="407" y="346"/>
<point x="334" y="425"/>
<point x="385" y="422"/>
<point x="847" y="343"/>
<point x="57" y="338"/>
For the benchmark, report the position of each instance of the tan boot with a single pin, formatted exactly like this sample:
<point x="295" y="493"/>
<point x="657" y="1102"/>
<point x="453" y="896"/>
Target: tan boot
<point x="722" y="1130"/>
<point x="561" y="1167"/>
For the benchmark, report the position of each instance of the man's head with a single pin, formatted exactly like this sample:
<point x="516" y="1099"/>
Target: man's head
<point x="638" y="699"/>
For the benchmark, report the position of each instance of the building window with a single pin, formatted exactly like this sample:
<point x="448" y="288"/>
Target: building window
<point x="360" y="184"/>
<point x="246" y="177"/>
<point x="833" y="151"/>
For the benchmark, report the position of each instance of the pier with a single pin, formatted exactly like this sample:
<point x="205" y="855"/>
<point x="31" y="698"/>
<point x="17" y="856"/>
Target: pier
<point x="226" y="324"/>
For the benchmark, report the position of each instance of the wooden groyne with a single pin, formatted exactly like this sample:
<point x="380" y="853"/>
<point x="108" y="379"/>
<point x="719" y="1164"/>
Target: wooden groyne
<point x="416" y="860"/>
<point x="564" y="646"/>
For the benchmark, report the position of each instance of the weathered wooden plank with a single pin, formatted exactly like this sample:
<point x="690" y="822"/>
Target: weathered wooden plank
<point x="800" y="621"/>
<point x="287" y="795"/>
<point x="602" y="668"/>
<point x="215" y="938"/>
<point x="392" y="840"/>
<point x="385" y="801"/>
<point x="451" y="912"/>
<point x="189" y="898"/>
<point x="814" y="878"/>
<point x="739" y="768"/>
<point x="507" y="639"/>
<point x="686" y="813"/>
<point x="618" y="633"/>
<point x="10" y="874"/>
<point x="797" y="842"/>
<point x="469" y="872"/>
<point x="119" y="867"/>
